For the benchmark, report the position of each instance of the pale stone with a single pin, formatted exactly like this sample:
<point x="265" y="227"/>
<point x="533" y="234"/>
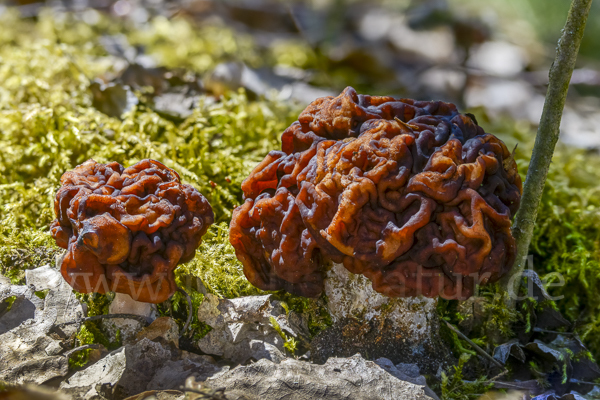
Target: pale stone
<point x="404" y="330"/>
<point x="339" y="378"/>
<point x="242" y="328"/>
<point x="30" y="350"/>
<point x="60" y="296"/>
<point x="143" y="366"/>
<point x="164" y="328"/>
<point x="353" y="296"/>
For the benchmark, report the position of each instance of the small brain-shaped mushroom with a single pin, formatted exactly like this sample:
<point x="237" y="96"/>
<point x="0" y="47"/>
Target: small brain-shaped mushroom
<point x="412" y="194"/>
<point x="127" y="229"/>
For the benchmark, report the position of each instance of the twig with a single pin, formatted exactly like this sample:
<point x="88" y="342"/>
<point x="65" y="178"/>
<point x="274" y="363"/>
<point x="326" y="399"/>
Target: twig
<point x="545" y="140"/>
<point x="190" y="310"/>
<point x="80" y="348"/>
<point x="536" y="329"/>
<point x="205" y="391"/>
<point x="495" y="378"/>
<point x="577" y="381"/>
<point x="478" y="349"/>
<point x="208" y="393"/>
<point x="513" y="385"/>
<point x="139" y="318"/>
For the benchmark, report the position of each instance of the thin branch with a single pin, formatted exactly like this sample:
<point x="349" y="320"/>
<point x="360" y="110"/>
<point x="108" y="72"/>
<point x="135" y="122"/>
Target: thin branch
<point x="495" y="378"/>
<point x="536" y="329"/>
<point x="80" y="348"/>
<point x="577" y="381"/>
<point x="546" y="138"/>
<point x="475" y="347"/>
<point x="207" y="393"/>
<point x="513" y="385"/>
<point x="139" y="318"/>
<point x="190" y="310"/>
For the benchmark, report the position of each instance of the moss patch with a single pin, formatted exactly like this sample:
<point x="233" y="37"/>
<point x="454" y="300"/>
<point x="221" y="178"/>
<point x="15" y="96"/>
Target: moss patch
<point x="566" y="241"/>
<point x="48" y="126"/>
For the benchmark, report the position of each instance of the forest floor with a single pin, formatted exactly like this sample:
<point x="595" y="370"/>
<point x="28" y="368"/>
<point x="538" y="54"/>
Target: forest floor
<point x="207" y="89"/>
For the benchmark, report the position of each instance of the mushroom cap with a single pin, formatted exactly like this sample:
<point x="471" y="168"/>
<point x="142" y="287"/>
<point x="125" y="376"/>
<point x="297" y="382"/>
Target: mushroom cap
<point x="127" y="229"/>
<point x="412" y="194"/>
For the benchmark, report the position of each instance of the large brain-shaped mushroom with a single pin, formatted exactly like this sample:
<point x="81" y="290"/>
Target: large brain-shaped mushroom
<point x="126" y="229"/>
<point x="412" y="194"/>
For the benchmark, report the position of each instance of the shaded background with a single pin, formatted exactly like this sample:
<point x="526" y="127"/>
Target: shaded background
<point x="493" y="54"/>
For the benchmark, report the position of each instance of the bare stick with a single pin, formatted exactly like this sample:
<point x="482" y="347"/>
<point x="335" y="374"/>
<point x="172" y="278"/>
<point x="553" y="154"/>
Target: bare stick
<point x="80" y="348"/>
<point x="190" y="310"/>
<point x="500" y="375"/>
<point x="546" y="138"/>
<point x="478" y="349"/>
<point x="139" y="318"/>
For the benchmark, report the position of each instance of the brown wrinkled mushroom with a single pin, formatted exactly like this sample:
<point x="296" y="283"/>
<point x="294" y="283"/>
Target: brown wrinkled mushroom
<point x="412" y="194"/>
<point x="127" y="229"/>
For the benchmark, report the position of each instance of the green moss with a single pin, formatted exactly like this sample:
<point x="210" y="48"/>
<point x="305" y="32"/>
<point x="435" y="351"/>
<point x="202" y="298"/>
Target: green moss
<point x="9" y="301"/>
<point x="100" y="338"/>
<point x="222" y="275"/>
<point x="48" y="126"/>
<point x="217" y="266"/>
<point x="459" y="344"/>
<point x="24" y="249"/>
<point x="91" y="331"/>
<point x="315" y="310"/>
<point x="289" y="343"/>
<point x="178" y="43"/>
<point x="81" y="358"/>
<point x="97" y="304"/>
<point x="177" y="308"/>
<point x="566" y="241"/>
<point x="454" y="387"/>
<point x="498" y="326"/>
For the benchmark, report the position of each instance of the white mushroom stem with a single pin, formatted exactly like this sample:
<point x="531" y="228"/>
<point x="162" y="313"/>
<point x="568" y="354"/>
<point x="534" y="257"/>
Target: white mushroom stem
<point x="124" y="304"/>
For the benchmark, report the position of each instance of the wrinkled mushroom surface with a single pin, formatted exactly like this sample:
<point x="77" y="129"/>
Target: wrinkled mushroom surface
<point x="412" y="194"/>
<point x="126" y="229"/>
